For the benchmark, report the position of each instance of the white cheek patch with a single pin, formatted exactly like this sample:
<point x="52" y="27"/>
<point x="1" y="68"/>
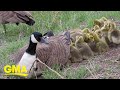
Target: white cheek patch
<point x="33" y="39"/>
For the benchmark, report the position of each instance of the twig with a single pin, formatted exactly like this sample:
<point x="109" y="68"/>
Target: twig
<point x="35" y="74"/>
<point x="32" y="66"/>
<point x="66" y="71"/>
<point x="93" y="68"/>
<point x="47" y="67"/>
<point x="33" y="71"/>
<point x="90" y="72"/>
<point x="51" y="69"/>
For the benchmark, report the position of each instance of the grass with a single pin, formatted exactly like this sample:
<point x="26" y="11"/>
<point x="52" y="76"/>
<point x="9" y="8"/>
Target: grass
<point x="56" y="21"/>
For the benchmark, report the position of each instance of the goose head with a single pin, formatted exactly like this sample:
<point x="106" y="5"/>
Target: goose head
<point x="37" y="37"/>
<point x="48" y="34"/>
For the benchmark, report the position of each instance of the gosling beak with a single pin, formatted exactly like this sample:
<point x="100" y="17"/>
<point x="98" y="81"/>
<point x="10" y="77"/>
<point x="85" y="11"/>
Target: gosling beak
<point x="43" y="41"/>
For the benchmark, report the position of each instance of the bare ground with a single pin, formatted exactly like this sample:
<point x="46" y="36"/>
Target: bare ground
<point x="108" y="65"/>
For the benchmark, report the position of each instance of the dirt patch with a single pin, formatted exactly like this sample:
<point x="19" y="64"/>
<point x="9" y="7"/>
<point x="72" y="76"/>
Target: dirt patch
<point x="108" y="65"/>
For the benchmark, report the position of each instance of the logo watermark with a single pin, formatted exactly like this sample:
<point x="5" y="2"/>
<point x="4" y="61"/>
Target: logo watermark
<point x="15" y="70"/>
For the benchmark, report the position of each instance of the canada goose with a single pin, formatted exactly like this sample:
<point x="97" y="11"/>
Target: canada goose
<point x="56" y="52"/>
<point x="60" y="46"/>
<point x="96" y="27"/>
<point x="29" y="56"/>
<point x="16" y="17"/>
<point x="99" y="33"/>
<point x="100" y="22"/>
<point x="48" y="34"/>
<point x="85" y="30"/>
<point x="74" y="33"/>
<point x="84" y="49"/>
<point x="87" y="37"/>
<point x="114" y="36"/>
<point x="75" y="55"/>
<point x="111" y="25"/>
<point x="101" y="46"/>
<point x="113" y="33"/>
<point x="108" y="32"/>
<point x="103" y="37"/>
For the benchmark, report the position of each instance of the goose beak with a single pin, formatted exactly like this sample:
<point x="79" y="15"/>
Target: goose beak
<point x="43" y="40"/>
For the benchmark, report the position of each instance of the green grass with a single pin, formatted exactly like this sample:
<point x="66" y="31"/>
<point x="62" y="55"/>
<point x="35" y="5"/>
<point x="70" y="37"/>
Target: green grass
<point x="56" y="21"/>
<point x="79" y="73"/>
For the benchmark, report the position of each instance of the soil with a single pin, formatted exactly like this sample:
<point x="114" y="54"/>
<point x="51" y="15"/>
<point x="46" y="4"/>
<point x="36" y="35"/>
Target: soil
<point x="108" y="64"/>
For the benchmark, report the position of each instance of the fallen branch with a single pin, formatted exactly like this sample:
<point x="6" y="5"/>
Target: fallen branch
<point x="91" y="73"/>
<point x="51" y="69"/>
<point x="93" y="68"/>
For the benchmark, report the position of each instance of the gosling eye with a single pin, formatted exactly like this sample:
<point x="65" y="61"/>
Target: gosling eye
<point x="92" y="39"/>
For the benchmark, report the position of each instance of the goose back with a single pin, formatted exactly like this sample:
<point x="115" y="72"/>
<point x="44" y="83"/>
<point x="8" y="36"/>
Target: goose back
<point x="16" y="17"/>
<point x="56" y="52"/>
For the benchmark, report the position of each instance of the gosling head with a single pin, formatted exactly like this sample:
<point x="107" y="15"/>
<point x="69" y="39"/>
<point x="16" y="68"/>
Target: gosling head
<point x="86" y="30"/>
<point x="48" y="34"/>
<point x="79" y="39"/>
<point x="104" y="18"/>
<point x="96" y="27"/>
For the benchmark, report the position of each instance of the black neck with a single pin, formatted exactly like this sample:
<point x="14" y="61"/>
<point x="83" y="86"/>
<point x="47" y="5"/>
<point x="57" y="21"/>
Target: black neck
<point x="31" y="48"/>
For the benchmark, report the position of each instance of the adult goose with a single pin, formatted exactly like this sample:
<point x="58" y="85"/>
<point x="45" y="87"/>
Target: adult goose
<point x="57" y="52"/>
<point x="29" y="55"/>
<point x="16" y="17"/>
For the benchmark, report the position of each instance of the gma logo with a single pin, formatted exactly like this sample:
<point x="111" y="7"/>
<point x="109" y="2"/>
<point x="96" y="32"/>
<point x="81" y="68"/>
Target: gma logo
<point x="15" y="70"/>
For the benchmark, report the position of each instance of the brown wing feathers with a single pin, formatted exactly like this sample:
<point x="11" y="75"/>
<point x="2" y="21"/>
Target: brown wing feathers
<point x="16" y="17"/>
<point x="56" y="52"/>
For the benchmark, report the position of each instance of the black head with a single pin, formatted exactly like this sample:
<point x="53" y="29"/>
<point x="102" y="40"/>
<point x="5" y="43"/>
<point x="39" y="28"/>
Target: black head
<point x="31" y="22"/>
<point x="37" y="37"/>
<point x="49" y="34"/>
